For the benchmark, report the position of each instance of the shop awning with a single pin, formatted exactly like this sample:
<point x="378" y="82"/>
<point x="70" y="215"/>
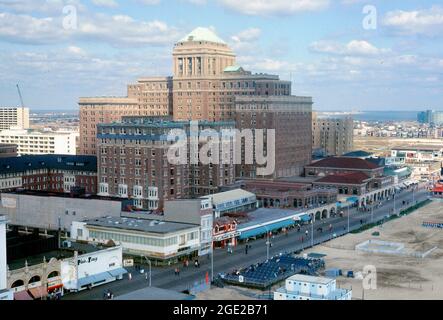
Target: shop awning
<point x="305" y="218"/>
<point x="263" y="229"/>
<point x="118" y="272"/>
<point x="96" y="278"/>
<point x="22" y="295"/>
<point x="38" y="292"/>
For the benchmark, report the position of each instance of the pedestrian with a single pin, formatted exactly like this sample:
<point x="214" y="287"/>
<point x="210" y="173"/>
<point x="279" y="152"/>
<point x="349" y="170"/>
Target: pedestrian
<point x="246" y="249"/>
<point x="130" y="276"/>
<point x="178" y="272"/>
<point x="187" y="263"/>
<point x="146" y="276"/>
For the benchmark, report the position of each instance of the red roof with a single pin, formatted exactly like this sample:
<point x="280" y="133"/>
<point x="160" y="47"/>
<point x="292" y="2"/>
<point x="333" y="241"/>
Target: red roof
<point x="345" y="178"/>
<point x="344" y="163"/>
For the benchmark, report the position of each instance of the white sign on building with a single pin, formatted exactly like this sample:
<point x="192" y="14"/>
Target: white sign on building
<point x="91" y="269"/>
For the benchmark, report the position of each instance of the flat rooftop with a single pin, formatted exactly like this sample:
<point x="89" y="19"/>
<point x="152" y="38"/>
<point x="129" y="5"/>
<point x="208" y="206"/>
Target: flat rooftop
<point x="226" y="196"/>
<point x="310" y="279"/>
<point x="148" y="226"/>
<point x="37" y="193"/>
<point x="62" y="253"/>
<point x="264" y="215"/>
<point x="427" y="147"/>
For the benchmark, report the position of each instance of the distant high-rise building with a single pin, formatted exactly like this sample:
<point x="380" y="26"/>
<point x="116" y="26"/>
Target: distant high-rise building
<point x="205" y="80"/>
<point x="14" y="117"/>
<point x="431" y="117"/>
<point x="332" y="136"/>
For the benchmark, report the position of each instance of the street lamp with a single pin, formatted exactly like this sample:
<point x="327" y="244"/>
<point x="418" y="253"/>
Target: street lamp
<point x="348" y="218"/>
<point x="212" y="261"/>
<point x="267" y="242"/>
<point x="312" y="231"/>
<point x="150" y="273"/>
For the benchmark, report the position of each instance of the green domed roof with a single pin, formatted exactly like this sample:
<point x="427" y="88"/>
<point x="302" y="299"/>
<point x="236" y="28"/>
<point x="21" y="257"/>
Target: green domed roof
<point x="202" y="34"/>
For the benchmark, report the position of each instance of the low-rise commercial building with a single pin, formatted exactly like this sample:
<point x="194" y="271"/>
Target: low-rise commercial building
<point x="334" y="165"/>
<point x="195" y="211"/>
<point x="53" y="211"/>
<point x="303" y="287"/>
<point x="287" y="194"/>
<point x="417" y="153"/>
<point x="232" y="201"/>
<point x="92" y="269"/>
<point x="158" y="240"/>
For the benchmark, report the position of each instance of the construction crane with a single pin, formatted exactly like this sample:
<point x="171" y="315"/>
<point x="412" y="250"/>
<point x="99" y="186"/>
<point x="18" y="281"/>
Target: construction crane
<point x="20" y="95"/>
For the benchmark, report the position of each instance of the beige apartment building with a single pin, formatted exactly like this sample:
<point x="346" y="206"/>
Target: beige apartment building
<point x="203" y="86"/>
<point x="14" y="117"/>
<point x="332" y="136"/>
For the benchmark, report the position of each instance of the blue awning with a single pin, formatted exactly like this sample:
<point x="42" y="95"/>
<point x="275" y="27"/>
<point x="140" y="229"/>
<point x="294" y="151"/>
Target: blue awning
<point x="352" y="199"/>
<point x="262" y="230"/>
<point x="305" y="217"/>
<point x="118" y="272"/>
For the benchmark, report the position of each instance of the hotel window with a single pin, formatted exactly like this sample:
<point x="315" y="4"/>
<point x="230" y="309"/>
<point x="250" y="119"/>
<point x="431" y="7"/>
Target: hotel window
<point x="189" y="66"/>
<point x="199" y="65"/>
<point x="180" y="66"/>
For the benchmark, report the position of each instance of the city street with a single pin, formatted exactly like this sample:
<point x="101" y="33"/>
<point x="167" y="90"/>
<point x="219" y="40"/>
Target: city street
<point x="225" y="262"/>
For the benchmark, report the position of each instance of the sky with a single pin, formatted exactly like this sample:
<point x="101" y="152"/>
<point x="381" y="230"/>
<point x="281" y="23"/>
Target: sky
<point x="346" y="54"/>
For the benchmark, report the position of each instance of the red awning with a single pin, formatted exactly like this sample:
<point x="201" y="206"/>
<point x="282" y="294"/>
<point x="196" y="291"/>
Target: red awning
<point x="38" y="292"/>
<point x="55" y="286"/>
<point x="22" y="295"/>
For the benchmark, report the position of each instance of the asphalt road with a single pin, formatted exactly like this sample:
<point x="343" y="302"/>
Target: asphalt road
<point x="225" y="262"/>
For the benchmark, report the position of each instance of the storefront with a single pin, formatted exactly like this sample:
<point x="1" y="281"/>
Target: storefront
<point x="225" y="232"/>
<point x="92" y="269"/>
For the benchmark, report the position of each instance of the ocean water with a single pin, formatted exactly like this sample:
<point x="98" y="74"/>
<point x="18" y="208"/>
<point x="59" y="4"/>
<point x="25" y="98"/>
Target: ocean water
<point x="386" y="116"/>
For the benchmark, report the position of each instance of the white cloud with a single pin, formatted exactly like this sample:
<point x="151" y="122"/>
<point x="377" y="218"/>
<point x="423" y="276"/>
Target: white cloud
<point x="105" y="3"/>
<point x="149" y="2"/>
<point x="353" y="47"/>
<point x="427" y="22"/>
<point x="250" y="34"/>
<point x="43" y="6"/>
<point x="274" y="7"/>
<point x="76" y="51"/>
<point x="117" y="30"/>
